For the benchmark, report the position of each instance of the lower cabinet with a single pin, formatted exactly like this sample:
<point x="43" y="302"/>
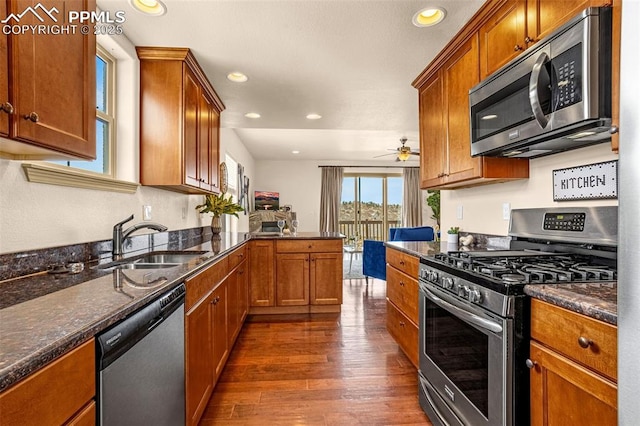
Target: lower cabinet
<point x="63" y="392"/>
<point x="573" y="368"/>
<point x="216" y="307"/>
<point x="295" y="275"/>
<point x="402" y="301"/>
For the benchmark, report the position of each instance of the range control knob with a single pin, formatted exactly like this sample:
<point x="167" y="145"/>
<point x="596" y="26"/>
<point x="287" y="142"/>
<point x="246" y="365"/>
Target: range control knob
<point x="474" y="296"/>
<point x="463" y="291"/>
<point x="447" y="283"/>
<point x="433" y="276"/>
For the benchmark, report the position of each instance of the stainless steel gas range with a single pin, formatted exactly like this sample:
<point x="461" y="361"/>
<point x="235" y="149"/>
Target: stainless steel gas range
<point x="474" y="316"/>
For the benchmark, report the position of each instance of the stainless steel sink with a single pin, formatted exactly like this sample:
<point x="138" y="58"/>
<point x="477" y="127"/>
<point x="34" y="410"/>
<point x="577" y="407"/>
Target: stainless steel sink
<point x="155" y="260"/>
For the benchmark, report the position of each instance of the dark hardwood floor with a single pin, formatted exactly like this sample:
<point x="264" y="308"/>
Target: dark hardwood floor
<point x="323" y="369"/>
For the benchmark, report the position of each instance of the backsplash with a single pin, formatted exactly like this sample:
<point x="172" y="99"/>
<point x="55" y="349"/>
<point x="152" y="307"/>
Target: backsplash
<point x="13" y="265"/>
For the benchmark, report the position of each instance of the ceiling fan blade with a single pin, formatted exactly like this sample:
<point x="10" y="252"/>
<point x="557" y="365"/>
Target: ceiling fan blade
<point x="414" y="153"/>
<point x="384" y="155"/>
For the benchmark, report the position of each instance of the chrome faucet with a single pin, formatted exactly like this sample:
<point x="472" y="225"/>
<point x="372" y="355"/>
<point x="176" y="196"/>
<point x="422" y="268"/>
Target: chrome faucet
<point x="119" y="235"/>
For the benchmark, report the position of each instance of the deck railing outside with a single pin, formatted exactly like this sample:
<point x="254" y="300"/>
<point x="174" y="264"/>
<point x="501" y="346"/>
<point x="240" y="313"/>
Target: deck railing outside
<point x="368" y="229"/>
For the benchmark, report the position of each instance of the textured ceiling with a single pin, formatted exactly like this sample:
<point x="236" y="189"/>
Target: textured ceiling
<point x="352" y="61"/>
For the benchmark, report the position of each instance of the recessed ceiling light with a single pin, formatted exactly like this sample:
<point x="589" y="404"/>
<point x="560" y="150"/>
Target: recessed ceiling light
<point x="429" y="16"/>
<point x="237" y="77"/>
<point x="149" y="7"/>
<point x="295" y="152"/>
<point x="489" y="117"/>
<point x="314" y="116"/>
<point x="252" y="115"/>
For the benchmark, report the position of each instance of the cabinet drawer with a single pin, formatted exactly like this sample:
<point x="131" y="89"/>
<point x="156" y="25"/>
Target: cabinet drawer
<point x="403" y="261"/>
<point x="561" y="330"/>
<point x="308" y="246"/>
<point x="237" y="256"/>
<point x="404" y="332"/>
<point x="54" y="394"/>
<point x="199" y="285"/>
<point x="402" y="291"/>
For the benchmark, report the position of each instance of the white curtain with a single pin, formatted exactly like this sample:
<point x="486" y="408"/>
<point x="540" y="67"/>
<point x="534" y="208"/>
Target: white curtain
<point x="330" y="199"/>
<point x="411" y="193"/>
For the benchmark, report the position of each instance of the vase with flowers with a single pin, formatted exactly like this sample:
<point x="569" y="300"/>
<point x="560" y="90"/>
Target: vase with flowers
<point x="217" y="205"/>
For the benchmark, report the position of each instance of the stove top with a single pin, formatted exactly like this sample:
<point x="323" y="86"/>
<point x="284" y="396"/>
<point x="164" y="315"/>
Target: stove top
<point x="515" y="267"/>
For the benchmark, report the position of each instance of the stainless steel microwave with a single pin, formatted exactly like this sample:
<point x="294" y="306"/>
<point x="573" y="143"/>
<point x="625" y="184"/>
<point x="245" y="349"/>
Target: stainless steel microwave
<point x="554" y="97"/>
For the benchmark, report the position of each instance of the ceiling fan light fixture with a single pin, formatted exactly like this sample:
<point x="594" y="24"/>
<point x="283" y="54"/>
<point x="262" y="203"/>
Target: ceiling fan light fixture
<point x="429" y="16"/>
<point x="404" y="155"/>
<point x="237" y="77"/>
<point x="149" y="7"/>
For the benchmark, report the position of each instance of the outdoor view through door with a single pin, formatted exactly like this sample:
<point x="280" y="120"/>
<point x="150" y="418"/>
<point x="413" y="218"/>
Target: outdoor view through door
<point x="371" y="204"/>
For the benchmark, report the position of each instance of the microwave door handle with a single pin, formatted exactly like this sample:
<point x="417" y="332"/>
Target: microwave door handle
<point x="464" y="315"/>
<point x="534" y="99"/>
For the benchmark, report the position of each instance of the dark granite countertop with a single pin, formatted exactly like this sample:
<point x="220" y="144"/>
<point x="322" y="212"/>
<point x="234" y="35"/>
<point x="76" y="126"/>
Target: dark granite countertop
<point x="46" y="315"/>
<point x="595" y="300"/>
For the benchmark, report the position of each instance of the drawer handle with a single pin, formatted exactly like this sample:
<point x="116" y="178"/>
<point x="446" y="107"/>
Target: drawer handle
<point x="402" y="283"/>
<point x="530" y="363"/>
<point x="517" y="48"/>
<point x="32" y="117"/>
<point x="401" y="323"/>
<point x="402" y="262"/>
<point x="584" y="342"/>
<point x="6" y="107"/>
<point x="309" y="246"/>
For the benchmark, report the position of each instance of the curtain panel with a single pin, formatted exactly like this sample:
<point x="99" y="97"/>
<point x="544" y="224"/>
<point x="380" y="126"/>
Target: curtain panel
<point x="330" y="199"/>
<point x="411" y="193"/>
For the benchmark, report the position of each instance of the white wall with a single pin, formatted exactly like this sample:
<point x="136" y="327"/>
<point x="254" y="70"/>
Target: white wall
<point x="482" y="206"/>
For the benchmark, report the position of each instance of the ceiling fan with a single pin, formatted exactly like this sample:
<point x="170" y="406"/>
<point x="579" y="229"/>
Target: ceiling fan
<point x="402" y="152"/>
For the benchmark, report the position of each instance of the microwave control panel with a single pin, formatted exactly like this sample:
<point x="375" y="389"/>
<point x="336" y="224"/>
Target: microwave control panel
<point x="567" y="81"/>
<point x="564" y="222"/>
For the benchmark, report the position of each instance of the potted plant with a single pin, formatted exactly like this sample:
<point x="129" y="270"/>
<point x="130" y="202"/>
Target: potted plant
<point x="219" y="205"/>
<point x="433" y="201"/>
<point x="452" y="234"/>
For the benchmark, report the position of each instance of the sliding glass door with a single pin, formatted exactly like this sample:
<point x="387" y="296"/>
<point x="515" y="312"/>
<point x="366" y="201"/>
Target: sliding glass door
<point x="371" y="204"/>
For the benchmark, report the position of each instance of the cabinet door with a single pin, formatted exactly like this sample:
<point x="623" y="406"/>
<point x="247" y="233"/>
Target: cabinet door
<point x="233" y="312"/>
<point x="243" y="293"/>
<point x="432" y="132"/>
<point x="326" y="279"/>
<point x="214" y="150"/>
<point x="219" y="317"/>
<point x="544" y="16"/>
<point x="502" y="38"/>
<point x="460" y="75"/>
<point x="292" y="279"/>
<point x="4" y="78"/>
<point x="198" y="358"/>
<point x="565" y="393"/>
<point x="204" y="139"/>
<point x="190" y="130"/>
<point x="53" y="83"/>
<point x="261" y="273"/>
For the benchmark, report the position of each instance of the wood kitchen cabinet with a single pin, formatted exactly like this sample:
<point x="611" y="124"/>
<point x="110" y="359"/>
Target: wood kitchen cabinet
<point x="444" y="128"/>
<point x="179" y="122"/>
<point x="295" y="275"/>
<point x="48" y="87"/>
<point x="262" y="280"/>
<point x="62" y="392"/>
<point x="573" y="368"/>
<point x="402" y="301"/>
<point x="219" y="305"/>
<point x="237" y="293"/>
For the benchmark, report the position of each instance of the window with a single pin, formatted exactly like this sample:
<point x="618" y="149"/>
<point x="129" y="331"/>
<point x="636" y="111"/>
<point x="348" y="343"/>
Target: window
<point x="105" y="118"/>
<point x="371" y="204"/>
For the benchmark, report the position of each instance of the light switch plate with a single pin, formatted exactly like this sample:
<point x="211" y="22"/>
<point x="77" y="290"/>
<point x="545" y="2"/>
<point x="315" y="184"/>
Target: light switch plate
<point x="506" y="211"/>
<point x="146" y="212"/>
<point x="459" y="212"/>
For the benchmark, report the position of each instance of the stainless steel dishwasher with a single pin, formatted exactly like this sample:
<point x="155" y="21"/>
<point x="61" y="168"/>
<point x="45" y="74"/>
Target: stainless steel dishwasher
<point x="141" y="366"/>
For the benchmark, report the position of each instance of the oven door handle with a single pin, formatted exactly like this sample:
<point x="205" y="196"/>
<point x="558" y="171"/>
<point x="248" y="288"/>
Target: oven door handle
<point x="534" y="98"/>
<point x="464" y="315"/>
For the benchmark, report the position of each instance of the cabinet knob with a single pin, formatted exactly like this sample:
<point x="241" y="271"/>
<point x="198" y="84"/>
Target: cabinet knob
<point x="517" y="47"/>
<point x="401" y="323"/>
<point x="530" y="363"/>
<point x="401" y="283"/>
<point x="7" y="107"/>
<point x="32" y="117"/>
<point x="613" y="130"/>
<point x="309" y="246"/>
<point x="402" y="262"/>
<point x="529" y="40"/>
<point x="584" y="342"/>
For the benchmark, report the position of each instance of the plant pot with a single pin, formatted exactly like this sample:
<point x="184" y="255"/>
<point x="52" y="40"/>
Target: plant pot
<point x="452" y="238"/>
<point x="216" y="225"/>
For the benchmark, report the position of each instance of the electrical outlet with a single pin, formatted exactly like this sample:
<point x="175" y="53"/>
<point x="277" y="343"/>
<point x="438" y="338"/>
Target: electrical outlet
<point x="146" y="212"/>
<point x="506" y="211"/>
<point x="184" y="212"/>
<point x="459" y="212"/>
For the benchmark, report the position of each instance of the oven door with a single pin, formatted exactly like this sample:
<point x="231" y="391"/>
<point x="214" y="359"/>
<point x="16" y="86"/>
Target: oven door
<point x="464" y="361"/>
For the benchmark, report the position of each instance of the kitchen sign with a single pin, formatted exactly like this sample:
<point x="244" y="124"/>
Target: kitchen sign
<point x="591" y="182"/>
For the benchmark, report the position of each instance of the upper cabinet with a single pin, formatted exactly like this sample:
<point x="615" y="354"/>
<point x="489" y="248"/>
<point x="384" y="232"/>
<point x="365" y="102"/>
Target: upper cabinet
<point x="498" y="33"/>
<point x="179" y="122"/>
<point x="47" y="86"/>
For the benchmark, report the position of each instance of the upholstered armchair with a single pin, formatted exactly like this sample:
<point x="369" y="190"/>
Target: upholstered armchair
<point x="374" y="263"/>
